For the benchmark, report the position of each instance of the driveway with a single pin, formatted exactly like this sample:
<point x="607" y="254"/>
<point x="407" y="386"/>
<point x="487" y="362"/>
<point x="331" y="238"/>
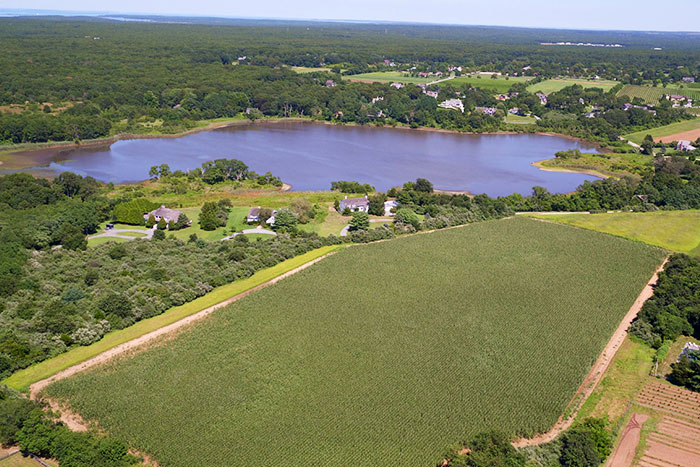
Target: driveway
<point x="257" y="230"/>
<point x="115" y="233"/>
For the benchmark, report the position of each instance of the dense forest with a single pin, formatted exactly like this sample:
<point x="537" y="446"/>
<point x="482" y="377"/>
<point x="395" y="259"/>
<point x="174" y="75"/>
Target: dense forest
<point x="78" y="79"/>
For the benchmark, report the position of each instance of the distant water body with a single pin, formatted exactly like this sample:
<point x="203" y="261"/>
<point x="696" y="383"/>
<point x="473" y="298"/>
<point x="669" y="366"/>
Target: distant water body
<point x="310" y="156"/>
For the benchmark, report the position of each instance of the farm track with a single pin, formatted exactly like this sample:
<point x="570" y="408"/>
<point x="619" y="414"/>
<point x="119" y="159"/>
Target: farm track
<point x="133" y="344"/>
<point x="599" y="367"/>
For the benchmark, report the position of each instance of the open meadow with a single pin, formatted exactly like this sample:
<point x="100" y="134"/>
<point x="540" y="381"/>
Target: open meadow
<point x="497" y="85"/>
<point x="382" y="354"/>
<point x="389" y="77"/>
<point x="674" y="230"/>
<point x="688" y="130"/>
<point x="553" y="85"/>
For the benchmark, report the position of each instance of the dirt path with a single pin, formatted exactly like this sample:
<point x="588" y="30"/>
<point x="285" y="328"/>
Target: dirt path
<point x="37" y="387"/>
<point x="594" y="376"/>
<point x="625" y="451"/>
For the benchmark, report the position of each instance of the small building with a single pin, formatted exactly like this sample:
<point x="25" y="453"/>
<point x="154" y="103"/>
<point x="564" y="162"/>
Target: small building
<point x="330" y="83"/>
<point x="432" y="94"/>
<point x="253" y="215"/>
<point x="455" y="104"/>
<point x="543" y="98"/>
<point x="354" y="204"/>
<point x="688" y="79"/>
<point x="687" y="349"/>
<point x="377" y="99"/>
<point x="164" y="213"/>
<point x="389" y="205"/>
<point x="486" y="110"/>
<point x="684" y="145"/>
<point x="397" y="85"/>
<point x="514" y="111"/>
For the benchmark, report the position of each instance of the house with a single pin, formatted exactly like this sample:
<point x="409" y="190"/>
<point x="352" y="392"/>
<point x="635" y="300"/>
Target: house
<point x="354" y="204"/>
<point x="514" y="111"/>
<point x="486" y="110"/>
<point x="684" y="145"/>
<point x="423" y="74"/>
<point x="455" y="104"/>
<point x="397" y="85"/>
<point x="389" y="205"/>
<point x="591" y="114"/>
<point x="675" y="98"/>
<point x="432" y="94"/>
<point x="543" y="98"/>
<point x="688" y="79"/>
<point x="330" y="83"/>
<point x="253" y="215"/>
<point x="271" y="219"/>
<point x="502" y="97"/>
<point x="687" y="349"/>
<point x="163" y="213"/>
<point x="377" y="99"/>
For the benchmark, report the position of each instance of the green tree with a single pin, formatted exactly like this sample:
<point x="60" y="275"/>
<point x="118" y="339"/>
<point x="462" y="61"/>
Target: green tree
<point x="407" y="217"/>
<point x="285" y="221"/>
<point x="359" y="221"/>
<point x="71" y="237"/>
<point x="151" y="221"/>
<point x="162" y="225"/>
<point x="210" y="216"/>
<point x="423" y="185"/>
<point x="159" y="235"/>
<point x="376" y="204"/>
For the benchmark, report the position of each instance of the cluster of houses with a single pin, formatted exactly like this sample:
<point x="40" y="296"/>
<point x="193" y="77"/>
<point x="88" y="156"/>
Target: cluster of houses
<point x="679" y="100"/>
<point x="626" y="107"/>
<point x="486" y="110"/>
<point x="362" y="205"/>
<point x="253" y="216"/>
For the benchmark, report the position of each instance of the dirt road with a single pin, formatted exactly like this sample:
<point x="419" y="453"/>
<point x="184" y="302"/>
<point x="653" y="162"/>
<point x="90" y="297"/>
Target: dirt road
<point x="594" y="376"/>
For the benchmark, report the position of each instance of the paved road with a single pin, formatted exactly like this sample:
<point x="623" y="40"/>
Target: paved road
<point x="115" y="233"/>
<point x="250" y="231"/>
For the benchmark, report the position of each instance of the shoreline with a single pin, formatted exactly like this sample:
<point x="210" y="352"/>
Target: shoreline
<point x="36" y="154"/>
<point x="592" y="172"/>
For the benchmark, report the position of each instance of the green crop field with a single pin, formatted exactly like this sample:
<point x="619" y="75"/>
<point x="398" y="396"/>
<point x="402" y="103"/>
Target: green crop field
<point x="667" y="130"/>
<point x="382" y="354"/>
<point x="390" y="77"/>
<point x="673" y="230"/>
<point x="651" y="95"/>
<point x="553" y="85"/>
<point x="496" y="85"/>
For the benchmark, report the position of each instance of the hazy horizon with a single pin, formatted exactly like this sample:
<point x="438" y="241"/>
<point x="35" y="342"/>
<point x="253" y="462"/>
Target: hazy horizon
<point x="596" y="15"/>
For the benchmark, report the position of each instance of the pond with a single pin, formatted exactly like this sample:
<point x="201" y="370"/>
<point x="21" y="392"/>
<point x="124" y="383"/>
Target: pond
<point x="310" y="156"/>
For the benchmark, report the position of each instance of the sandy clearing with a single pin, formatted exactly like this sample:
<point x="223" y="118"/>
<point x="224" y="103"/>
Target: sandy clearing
<point x="690" y="135"/>
<point x="37" y="387"/>
<point x="595" y="375"/>
<point x="625" y="451"/>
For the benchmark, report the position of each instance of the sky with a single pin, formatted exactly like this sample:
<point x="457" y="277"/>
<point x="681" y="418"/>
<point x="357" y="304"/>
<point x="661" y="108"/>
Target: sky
<point x="668" y="15"/>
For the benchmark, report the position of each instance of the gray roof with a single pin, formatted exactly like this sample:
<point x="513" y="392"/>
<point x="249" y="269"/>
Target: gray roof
<point x="354" y="202"/>
<point x="168" y="213"/>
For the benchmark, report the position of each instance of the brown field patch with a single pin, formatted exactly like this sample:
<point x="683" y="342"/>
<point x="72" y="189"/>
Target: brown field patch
<point x="690" y="135"/>
<point x="676" y="438"/>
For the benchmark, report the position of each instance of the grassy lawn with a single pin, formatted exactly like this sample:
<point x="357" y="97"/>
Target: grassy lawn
<point x="102" y="240"/>
<point x="21" y="380"/>
<point x="236" y="223"/>
<point x="520" y="120"/>
<point x="133" y="234"/>
<point x="18" y="460"/>
<point x="499" y="84"/>
<point x="673" y="230"/>
<point x="605" y="164"/>
<point x="306" y="69"/>
<point x="672" y="129"/>
<point x="383" y="354"/>
<point x="553" y="85"/>
<point x="120" y="226"/>
<point x="390" y="77"/>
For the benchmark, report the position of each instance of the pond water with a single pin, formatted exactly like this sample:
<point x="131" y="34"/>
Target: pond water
<point x="309" y="156"/>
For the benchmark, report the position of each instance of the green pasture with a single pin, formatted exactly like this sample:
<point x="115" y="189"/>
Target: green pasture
<point x="673" y="230"/>
<point x="553" y="85"/>
<point x="390" y="77"/>
<point x="382" y="354"/>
